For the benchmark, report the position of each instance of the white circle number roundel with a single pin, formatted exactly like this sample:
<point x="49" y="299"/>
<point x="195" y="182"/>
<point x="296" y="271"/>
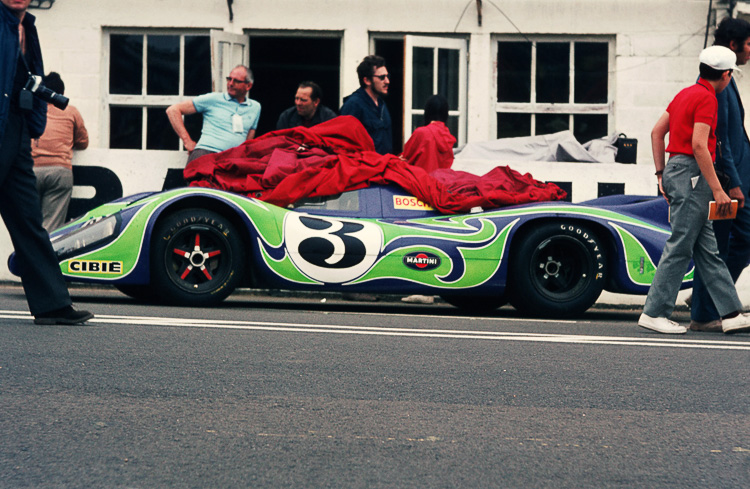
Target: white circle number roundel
<point x="331" y="250"/>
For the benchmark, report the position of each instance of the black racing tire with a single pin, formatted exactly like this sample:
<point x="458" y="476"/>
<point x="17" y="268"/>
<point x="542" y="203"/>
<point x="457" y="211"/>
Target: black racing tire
<point x="557" y="270"/>
<point x="476" y="303"/>
<point x="141" y="293"/>
<point x="197" y="258"/>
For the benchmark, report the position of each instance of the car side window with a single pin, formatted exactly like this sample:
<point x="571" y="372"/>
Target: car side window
<point x="347" y="202"/>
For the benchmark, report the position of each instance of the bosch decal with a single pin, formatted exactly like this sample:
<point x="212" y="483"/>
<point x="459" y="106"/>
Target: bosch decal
<point x="410" y="203"/>
<point x="422" y="261"/>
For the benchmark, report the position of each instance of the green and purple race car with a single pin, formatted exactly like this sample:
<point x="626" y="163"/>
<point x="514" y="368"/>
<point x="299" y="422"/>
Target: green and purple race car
<point x="194" y="246"/>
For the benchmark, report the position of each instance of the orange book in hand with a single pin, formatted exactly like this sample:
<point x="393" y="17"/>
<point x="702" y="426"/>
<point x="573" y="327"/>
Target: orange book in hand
<point x="713" y="211"/>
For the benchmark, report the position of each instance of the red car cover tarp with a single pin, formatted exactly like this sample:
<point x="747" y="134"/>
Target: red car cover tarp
<point x="284" y="166"/>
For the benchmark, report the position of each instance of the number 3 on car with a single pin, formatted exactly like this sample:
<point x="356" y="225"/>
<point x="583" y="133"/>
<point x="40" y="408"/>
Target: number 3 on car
<point x="331" y="250"/>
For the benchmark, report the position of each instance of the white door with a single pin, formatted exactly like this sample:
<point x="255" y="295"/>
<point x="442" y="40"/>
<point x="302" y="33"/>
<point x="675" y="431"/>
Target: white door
<point x="227" y="51"/>
<point x="435" y="65"/>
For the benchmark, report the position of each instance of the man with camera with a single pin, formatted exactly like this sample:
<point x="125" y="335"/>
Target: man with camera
<point x="23" y="115"/>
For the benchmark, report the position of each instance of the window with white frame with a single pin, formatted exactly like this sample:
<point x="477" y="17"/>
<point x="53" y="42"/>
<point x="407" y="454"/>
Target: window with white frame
<point x="149" y="71"/>
<point x="547" y="85"/>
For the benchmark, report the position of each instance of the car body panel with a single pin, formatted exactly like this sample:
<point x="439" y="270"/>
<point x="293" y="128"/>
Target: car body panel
<point x="376" y="239"/>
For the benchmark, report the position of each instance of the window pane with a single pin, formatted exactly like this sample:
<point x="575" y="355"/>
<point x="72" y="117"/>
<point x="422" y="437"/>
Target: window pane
<point x="551" y="123"/>
<point x="452" y="125"/>
<point x="125" y="64"/>
<point x="588" y="127"/>
<point x="279" y="63"/>
<point x="591" y="61"/>
<point x="159" y="134"/>
<point x="125" y="127"/>
<point x="197" y="65"/>
<point x="448" y="76"/>
<point x="552" y="72"/>
<point x="417" y="121"/>
<point x="514" y="72"/>
<point x="163" y="65"/>
<point x="511" y="125"/>
<point x="194" y="125"/>
<point x="422" y="69"/>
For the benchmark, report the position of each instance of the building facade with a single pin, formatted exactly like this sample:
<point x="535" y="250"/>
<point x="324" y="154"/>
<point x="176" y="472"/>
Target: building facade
<point x="509" y="68"/>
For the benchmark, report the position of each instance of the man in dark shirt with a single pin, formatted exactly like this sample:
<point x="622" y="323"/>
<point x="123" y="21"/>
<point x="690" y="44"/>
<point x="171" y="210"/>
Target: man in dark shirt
<point x="368" y="102"/>
<point x="368" y="105"/>
<point x="307" y="110"/>
<point x="733" y="160"/>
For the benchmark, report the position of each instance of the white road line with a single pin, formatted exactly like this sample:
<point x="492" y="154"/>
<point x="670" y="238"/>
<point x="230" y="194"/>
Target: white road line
<point x="670" y="342"/>
<point x="470" y="318"/>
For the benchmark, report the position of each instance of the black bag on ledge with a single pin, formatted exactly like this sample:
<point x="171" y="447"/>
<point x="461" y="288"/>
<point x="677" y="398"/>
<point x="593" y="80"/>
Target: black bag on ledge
<point x="627" y="149"/>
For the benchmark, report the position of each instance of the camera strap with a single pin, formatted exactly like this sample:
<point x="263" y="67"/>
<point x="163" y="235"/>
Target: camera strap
<point x="23" y="58"/>
<point x="25" y="98"/>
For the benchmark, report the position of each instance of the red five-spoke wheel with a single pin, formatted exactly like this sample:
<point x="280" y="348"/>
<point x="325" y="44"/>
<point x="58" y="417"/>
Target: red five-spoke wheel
<point x="197" y="258"/>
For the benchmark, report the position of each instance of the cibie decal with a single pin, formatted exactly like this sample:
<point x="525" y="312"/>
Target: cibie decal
<point x="331" y="250"/>
<point x="95" y="266"/>
<point x="410" y="203"/>
<point x="421" y="261"/>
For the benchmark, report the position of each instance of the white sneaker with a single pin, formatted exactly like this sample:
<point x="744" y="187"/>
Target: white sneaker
<point x="661" y="325"/>
<point x="737" y="324"/>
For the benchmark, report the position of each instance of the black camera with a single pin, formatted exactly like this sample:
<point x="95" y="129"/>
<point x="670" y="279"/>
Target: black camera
<point x="36" y="86"/>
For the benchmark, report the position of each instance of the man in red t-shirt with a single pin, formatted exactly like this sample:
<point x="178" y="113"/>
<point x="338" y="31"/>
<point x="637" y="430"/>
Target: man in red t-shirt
<point x="688" y="182"/>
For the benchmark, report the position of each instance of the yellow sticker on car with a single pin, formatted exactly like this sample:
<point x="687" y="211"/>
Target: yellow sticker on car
<point x="410" y="203"/>
<point x="95" y="266"/>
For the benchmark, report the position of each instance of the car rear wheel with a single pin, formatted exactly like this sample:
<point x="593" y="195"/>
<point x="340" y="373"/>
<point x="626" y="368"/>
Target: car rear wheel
<point x="197" y="258"/>
<point x="558" y="270"/>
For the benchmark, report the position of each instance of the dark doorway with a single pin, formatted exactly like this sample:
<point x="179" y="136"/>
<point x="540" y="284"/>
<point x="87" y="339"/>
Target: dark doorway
<point x="281" y="63"/>
<point x="393" y="52"/>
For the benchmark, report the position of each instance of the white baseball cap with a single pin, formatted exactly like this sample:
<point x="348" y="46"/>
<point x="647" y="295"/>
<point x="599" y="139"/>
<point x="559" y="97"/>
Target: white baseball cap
<point x="719" y="58"/>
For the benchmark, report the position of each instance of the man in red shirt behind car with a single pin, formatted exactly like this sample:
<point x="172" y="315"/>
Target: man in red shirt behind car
<point x="689" y="182"/>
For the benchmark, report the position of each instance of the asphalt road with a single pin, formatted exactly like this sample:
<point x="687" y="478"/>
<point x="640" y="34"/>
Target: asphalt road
<point x="275" y="392"/>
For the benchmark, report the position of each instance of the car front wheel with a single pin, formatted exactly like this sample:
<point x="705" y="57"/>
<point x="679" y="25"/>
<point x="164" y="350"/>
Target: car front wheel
<point x="197" y="258"/>
<point x="558" y="270"/>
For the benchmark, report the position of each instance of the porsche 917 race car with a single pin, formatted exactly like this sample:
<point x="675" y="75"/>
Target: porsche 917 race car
<point x="194" y="246"/>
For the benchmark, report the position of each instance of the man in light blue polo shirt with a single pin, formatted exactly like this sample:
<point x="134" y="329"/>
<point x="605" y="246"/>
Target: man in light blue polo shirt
<point x="229" y="119"/>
